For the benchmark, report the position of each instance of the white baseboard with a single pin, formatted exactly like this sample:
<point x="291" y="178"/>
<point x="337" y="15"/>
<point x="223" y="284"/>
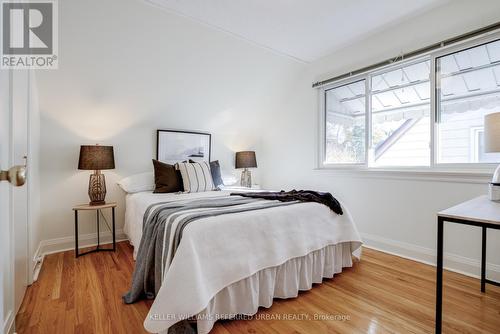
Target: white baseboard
<point x="452" y="262"/>
<point x="68" y="243"/>
<point x="37" y="262"/>
<point x="8" y="326"/>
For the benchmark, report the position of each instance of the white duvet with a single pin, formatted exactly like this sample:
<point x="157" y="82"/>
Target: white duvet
<point x="217" y="251"/>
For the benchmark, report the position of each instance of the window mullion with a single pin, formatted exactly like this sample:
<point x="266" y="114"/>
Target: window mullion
<point x="368" y="118"/>
<point x="433" y="111"/>
<point x="322" y="125"/>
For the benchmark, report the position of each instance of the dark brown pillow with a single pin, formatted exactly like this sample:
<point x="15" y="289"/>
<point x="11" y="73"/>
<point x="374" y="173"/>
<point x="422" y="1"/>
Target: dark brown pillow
<point x="167" y="178"/>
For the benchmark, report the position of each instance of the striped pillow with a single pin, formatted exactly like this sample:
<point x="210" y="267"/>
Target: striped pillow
<point x="196" y="176"/>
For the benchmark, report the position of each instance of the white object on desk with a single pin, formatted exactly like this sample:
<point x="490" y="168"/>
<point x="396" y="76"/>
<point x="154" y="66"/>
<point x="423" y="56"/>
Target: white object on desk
<point x="494" y="191"/>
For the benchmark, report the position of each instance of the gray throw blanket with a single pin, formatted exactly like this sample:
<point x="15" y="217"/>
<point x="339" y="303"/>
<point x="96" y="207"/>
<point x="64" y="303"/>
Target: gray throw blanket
<point x="154" y="249"/>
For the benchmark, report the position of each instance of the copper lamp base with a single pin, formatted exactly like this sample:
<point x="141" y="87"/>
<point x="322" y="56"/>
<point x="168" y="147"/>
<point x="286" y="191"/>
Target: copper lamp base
<point x="97" y="188"/>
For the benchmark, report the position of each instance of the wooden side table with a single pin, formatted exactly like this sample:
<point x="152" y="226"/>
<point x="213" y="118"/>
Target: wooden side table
<point x="97" y="209"/>
<point x="480" y="212"/>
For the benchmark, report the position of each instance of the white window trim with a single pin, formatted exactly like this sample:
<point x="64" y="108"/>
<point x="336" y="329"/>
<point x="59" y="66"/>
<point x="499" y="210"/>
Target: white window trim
<point x="474" y="145"/>
<point x="322" y="118"/>
<point x="454" y="176"/>
<point x="468" y="172"/>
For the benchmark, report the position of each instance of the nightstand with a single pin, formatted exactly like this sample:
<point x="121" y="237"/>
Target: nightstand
<point x="97" y="209"/>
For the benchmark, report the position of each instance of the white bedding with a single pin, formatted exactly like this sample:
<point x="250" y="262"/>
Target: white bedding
<point x="284" y="281"/>
<point x="137" y="203"/>
<point x="216" y="252"/>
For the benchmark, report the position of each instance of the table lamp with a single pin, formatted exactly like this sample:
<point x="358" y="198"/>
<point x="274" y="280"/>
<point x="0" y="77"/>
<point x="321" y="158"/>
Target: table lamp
<point x="492" y="145"/>
<point x="96" y="158"/>
<point x="246" y="159"/>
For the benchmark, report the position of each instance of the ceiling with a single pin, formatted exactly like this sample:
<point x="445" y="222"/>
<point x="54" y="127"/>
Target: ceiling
<point x="302" y="29"/>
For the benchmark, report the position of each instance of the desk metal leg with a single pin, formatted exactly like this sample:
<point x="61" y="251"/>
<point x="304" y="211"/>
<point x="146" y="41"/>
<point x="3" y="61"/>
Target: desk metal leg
<point x="439" y="276"/>
<point x="76" y="233"/>
<point x="98" y="212"/>
<point x="483" y="261"/>
<point x="114" y="237"/>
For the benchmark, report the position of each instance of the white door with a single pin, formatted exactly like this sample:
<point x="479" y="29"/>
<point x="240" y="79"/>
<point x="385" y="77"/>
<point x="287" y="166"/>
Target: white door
<point x="19" y="153"/>
<point x="14" y="232"/>
<point x="5" y="271"/>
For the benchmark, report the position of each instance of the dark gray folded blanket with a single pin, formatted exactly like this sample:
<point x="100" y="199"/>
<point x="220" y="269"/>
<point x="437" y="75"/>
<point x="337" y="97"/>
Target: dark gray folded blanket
<point x="297" y="195"/>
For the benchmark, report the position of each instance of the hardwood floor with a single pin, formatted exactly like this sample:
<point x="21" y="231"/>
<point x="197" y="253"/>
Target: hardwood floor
<point x="381" y="294"/>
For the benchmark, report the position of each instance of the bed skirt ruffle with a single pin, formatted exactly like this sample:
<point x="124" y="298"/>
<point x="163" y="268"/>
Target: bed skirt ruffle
<point x="284" y="281"/>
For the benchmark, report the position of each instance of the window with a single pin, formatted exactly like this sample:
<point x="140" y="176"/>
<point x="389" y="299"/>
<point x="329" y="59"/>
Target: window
<point x="385" y="118"/>
<point x="400" y="108"/>
<point x="345" y="124"/>
<point x="468" y="88"/>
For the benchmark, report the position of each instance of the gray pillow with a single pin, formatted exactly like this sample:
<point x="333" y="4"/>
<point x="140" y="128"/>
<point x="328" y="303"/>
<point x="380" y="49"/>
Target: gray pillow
<point x="216" y="174"/>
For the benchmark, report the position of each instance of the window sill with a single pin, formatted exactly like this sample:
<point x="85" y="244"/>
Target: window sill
<point x="477" y="176"/>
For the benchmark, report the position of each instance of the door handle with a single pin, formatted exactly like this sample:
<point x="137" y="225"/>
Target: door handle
<point x="15" y="175"/>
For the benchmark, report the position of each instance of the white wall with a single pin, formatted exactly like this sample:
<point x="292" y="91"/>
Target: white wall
<point x="393" y="214"/>
<point x="33" y="176"/>
<point x="126" y="69"/>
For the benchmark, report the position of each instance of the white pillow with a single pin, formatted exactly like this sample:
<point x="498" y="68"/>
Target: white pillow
<point x="229" y="179"/>
<point x="196" y="176"/>
<point x="138" y="182"/>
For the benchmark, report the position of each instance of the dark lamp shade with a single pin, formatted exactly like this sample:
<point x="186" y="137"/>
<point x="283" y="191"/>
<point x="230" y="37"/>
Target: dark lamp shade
<point x="96" y="157"/>
<point x="246" y="159"/>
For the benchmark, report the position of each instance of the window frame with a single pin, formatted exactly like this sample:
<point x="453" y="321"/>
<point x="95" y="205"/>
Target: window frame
<point x="474" y="134"/>
<point x="434" y="166"/>
<point x="323" y="91"/>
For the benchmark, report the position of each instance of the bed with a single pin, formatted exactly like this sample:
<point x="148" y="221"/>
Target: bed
<point x="232" y="264"/>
